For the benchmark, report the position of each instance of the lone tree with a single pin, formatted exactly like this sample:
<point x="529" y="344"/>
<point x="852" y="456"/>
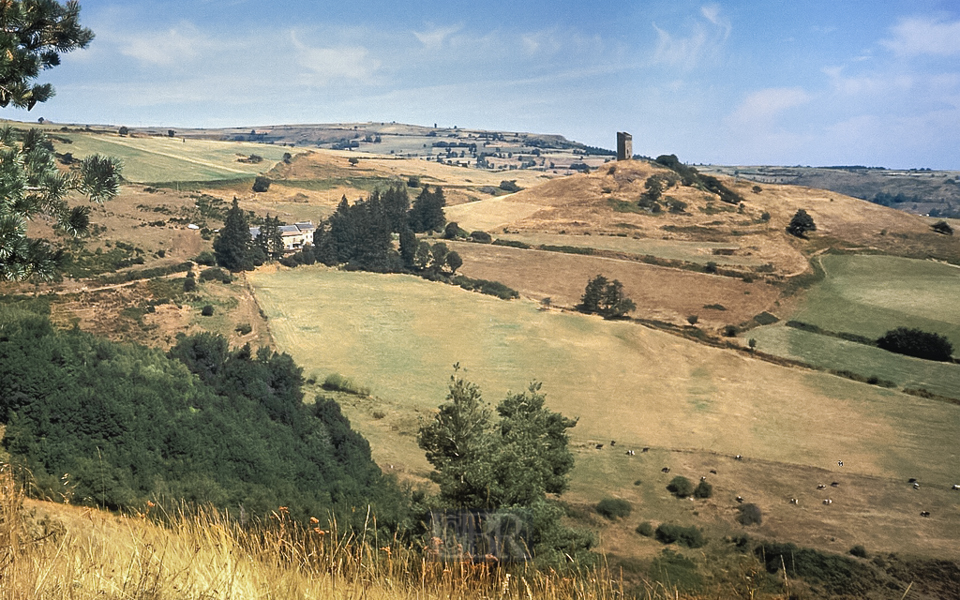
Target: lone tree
<point x="800" y="224"/>
<point x="33" y="34"/>
<point x="605" y="298"/>
<point x="481" y="464"/>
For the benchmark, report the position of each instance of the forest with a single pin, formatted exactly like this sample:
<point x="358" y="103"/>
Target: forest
<point x="120" y="425"/>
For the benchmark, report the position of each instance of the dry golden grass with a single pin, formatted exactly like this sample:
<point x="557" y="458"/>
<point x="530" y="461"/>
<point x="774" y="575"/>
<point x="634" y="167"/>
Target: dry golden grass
<point x="57" y="552"/>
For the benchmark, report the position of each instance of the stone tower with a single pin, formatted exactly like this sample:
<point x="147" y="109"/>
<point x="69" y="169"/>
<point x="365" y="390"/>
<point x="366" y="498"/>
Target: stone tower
<point x="624" y="145"/>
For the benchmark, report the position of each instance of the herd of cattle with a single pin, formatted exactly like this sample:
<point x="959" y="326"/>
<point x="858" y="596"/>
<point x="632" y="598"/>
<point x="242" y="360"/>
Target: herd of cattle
<point x="796" y="501"/>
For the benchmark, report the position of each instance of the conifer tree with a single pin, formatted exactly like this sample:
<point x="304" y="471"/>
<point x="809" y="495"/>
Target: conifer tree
<point x="33" y="34"/>
<point x="232" y="246"/>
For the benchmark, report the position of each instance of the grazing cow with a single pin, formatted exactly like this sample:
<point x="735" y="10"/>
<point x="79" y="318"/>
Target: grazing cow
<point x="738" y="457"/>
<point x="713" y="471"/>
<point x="916" y="486"/>
<point x="955" y="487"/>
<point x="924" y="513"/>
<point x="645" y="450"/>
<point x="631" y="453"/>
<point x="665" y="470"/>
<point x="613" y="443"/>
<point x="827" y="501"/>
<point x="835" y="484"/>
<point x="702" y="478"/>
<point x="599" y="446"/>
<point x="821" y="487"/>
<point x="912" y="480"/>
<point x="794" y="501"/>
<point x="740" y="499"/>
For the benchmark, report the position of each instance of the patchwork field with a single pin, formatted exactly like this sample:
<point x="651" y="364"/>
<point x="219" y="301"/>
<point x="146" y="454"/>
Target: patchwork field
<point x="660" y="293"/>
<point x="400" y="335"/>
<point x="869" y="295"/>
<point x="166" y="159"/>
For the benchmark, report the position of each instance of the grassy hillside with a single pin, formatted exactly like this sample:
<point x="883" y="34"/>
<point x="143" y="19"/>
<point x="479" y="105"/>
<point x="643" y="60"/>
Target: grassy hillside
<point x="400" y="335"/>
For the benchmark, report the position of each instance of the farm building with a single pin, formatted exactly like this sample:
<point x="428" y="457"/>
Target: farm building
<point x="294" y="236"/>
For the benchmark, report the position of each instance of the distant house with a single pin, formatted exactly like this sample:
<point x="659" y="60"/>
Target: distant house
<point x="294" y="236"/>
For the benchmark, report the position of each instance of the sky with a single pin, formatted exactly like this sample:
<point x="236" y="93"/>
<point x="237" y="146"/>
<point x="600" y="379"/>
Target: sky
<point x="745" y="82"/>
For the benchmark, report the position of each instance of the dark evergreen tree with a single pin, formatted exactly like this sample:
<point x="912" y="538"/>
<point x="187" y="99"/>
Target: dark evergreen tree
<point x="33" y="34"/>
<point x="800" y="224"/>
<point x="593" y="295"/>
<point x="232" y="246"/>
<point x="426" y="214"/>
<point x="606" y="298"/>
<point x="408" y="247"/>
<point x="396" y="204"/>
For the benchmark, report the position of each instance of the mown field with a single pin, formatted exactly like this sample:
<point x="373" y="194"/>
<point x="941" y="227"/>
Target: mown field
<point x="868" y="296"/>
<point x="399" y="336"/>
<point x="165" y="160"/>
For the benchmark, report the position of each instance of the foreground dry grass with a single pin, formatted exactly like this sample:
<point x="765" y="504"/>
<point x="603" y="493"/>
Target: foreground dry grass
<point x="58" y="552"/>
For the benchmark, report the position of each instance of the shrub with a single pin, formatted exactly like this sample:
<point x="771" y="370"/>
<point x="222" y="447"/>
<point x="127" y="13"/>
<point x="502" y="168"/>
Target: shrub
<point x="691" y="537"/>
<point x="244" y="328"/>
<point x="942" y="227"/>
<point x="692" y="319"/>
<point x="206" y="258"/>
<point x="413" y="181"/>
<point x="645" y="529"/>
<point x="510" y="186"/>
<point x="189" y="284"/>
<point x="261" y="184"/>
<point x="452" y="231"/>
<point x="750" y="514"/>
<point x="800" y="224"/>
<point x="859" y="551"/>
<point x="703" y="490"/>
<point x="838" y="574"/>
<point x="207" y="310"/>
<point x="730" y="331"/>
<point x="680" y="486"/>
<point x="614" y="508"/>
<point x="213" y="273"/>
<point x="337" y="382"/>
<point x="481" y="236"/>
<point x="914" y="342"/>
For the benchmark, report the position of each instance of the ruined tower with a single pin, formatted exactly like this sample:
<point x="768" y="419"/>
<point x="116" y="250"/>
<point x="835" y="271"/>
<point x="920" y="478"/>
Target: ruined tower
<point x="624" y="145"/>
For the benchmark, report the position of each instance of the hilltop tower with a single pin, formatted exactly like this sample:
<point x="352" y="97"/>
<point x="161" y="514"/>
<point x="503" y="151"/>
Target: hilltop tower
<point x="624" y="145"/>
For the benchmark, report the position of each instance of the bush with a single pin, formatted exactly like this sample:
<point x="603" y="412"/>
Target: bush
<point x="917" y="343"/>
<point x="704" y="490"/>
<point x="214" y="273"/>
<point x="645" y="529"/>
<point x="189" y="284"/>
<point x="680" y="486"/>
<point x="206" y="258"/>
<point x="261" y="184"/>
<point x="207" y="310"/>
<point x="481" y="236"/>
<point x="337" y="382"/>
<point x="413" y="181"/>
<point x="750" y="514"/>
<point x="614" y="508"/>
<point x="800" y="224"/>
<point x="244" y="328"/>
<point x="510" y="186"/>
<point x="691" y="537"/>
<point x="859" y="551"/>
<point x="452" y="231"/>
<point x="942" y="227"/>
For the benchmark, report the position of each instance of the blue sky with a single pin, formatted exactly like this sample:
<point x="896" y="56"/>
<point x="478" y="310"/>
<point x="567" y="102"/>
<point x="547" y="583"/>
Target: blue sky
<point x="803" y="82"/>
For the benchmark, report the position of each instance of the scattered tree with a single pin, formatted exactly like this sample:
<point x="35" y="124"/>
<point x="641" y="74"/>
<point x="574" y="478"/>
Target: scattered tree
<point x="426" y="214"/>
<point x="124" y="130"/>
<point x="800" y="224"/>
<point x="680" y="486"/>
<point x="942" y="227"/>
<point x="605" y="298"/>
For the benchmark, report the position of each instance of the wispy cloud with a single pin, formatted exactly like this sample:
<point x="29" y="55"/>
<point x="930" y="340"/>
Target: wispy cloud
<point x="761" y="108"/>
<point x="340" y="62"/>
<point x="166" y="48"/>
<point x="925" y="35"/>
<point x="704" y="40"/>
<point x="434" y="37"/>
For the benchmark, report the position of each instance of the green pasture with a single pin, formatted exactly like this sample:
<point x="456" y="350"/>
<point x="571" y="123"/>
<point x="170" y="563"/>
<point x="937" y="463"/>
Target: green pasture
<point x="164" y="160"/>
<point x="695" y="252"/>
<point x="400" y="336"/>
<point x="870" y="295"/>
<point x="868" y="361"/>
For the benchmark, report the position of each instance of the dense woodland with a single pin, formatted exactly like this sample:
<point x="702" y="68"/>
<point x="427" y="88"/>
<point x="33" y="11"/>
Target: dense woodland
<point x="115" y="425"/>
